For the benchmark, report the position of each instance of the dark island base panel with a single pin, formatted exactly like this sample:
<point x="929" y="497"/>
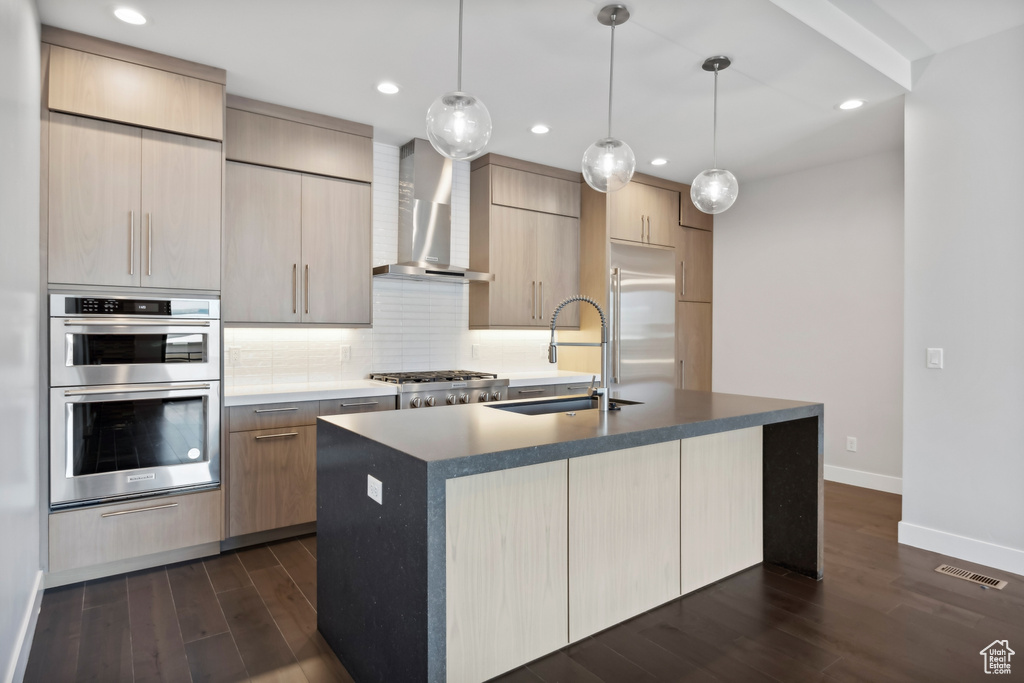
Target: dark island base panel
<point x="371" y="558"/>
<point x="794" y="503"/>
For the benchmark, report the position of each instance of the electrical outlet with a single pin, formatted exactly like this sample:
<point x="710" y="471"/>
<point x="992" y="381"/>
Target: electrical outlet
<point x="234" y="356"/>
<point x="476" y="351"/>
<point x="345" y="353"/>
<point x="374" y="488"/>
<point x="934" y="359"/>
<point x="851" y="444"/>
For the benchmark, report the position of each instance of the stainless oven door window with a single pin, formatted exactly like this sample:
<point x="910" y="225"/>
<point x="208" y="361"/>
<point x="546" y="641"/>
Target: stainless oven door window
<point x="119" y="441"/>
<point x="84" y="351"/>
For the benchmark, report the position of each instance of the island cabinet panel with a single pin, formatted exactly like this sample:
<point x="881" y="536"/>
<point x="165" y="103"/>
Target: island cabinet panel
<point x="506" y="574"/>
<point x="272" y="482"/>
<point x="623" y="535"/>
<point x="721" y="505"/>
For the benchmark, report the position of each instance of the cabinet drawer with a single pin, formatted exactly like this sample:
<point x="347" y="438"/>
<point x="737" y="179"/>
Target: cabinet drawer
<point x="272" y="479"/>
<point x="575" y="388"/>
<point x="97" y="535"/>
<point x="363" y="404"/>
<point x="272" y="415"/>
<point x="531" y="391"/>
<point x="522" y="190"/>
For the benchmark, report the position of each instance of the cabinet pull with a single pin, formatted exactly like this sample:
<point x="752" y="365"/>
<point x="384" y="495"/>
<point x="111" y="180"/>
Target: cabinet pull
<point x="131" y="512"/>
<point x="641" y="227"/>
<point x="533" y="304"/>
<point x="276" y="436"/>
<point x="530" y="391"/>
<point x="648" y="230"/>
<point x="307" y="288"/>
<point x="131" y="243"/>
<point x="361" y="403"/>
<point x="275" y="410"/>
<point x="540" y="299"/>
<point x="295" y="267"/>
<point x="581" y="386"/>
<point x="149" y="244"/>
<point x="682" y="280"/>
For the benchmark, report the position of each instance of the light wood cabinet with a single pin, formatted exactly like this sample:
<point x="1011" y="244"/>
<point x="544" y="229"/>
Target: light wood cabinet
<point x="506" y="569"/>
<point x="272" y="481"/>
<point x="533" y="253"/>
<point x="643" y="213"/>
<point x="131" y="207"/>
<point x="108" y="533"/>
<point x="693" y="346"/>
<point x="623" y="535"/>
<point x="690" y="216"/>
<point x="694" y="260"/>
<point x="721" y="505"/>
<point x="297" y="248"/>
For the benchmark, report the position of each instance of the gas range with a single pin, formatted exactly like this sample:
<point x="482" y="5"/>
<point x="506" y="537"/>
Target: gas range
<point x="447" y="387"/>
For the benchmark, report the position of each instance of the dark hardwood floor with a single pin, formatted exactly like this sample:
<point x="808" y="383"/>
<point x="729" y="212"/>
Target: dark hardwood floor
<point x="881" y="614"/>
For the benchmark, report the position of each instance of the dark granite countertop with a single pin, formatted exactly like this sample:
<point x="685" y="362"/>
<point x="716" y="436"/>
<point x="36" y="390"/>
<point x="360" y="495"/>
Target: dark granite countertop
<point x="465" y="439"/>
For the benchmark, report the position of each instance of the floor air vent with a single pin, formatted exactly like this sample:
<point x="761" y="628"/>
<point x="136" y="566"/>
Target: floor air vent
<point x="966" y="575"/>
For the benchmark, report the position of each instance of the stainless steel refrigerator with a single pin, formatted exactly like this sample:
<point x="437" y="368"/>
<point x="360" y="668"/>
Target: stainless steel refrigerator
<point x="642" y="300"/>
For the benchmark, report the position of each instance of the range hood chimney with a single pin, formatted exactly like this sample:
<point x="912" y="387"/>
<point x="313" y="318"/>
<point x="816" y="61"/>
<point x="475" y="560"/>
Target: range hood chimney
<point x="425" y="219"/>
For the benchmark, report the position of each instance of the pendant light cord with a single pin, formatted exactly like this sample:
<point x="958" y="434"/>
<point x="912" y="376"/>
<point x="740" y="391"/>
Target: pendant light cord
<point x="460" y="46"/>
<point x="714" y="133"/>
<point x="611" y="76"/>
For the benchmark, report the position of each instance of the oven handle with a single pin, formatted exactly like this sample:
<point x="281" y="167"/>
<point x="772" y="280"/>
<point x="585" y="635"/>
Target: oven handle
<point x="139" y="389"/>
<point x="141" y="323"/>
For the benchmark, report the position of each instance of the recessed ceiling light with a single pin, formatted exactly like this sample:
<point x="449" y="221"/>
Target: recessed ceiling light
<point x="387" y="88"/>
<point x="129" y="16"/>
<point x="851" y="104"/>
<point x="659" y="162"/>
<point x="540" y="129"/>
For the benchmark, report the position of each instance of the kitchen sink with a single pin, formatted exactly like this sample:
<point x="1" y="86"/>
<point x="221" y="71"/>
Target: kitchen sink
<point x="549" y="406"/>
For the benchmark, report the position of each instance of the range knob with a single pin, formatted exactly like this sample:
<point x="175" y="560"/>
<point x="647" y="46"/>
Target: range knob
<point x="483" y="397"/>
<point x="430" y="400"/>
<point x="450" y="399"/>
<point x="464" y="398"/>
<point x="496" y="396"/>
<point x="416" y="402"/>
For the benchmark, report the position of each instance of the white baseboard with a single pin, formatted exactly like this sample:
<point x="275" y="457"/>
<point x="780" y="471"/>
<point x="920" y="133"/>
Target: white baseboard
<point x="970" y="549"/>
<point x="19" y="662"/>
<point x="867" y="480"/>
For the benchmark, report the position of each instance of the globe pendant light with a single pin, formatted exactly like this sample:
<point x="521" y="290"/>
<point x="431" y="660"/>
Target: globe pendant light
<point x="714" y="190"/>
<point x="608" y="164"/>
<point x="458" y="124"/>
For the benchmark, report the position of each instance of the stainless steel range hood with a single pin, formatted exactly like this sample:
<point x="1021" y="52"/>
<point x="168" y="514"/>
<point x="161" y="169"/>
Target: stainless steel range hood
<point x="425" y="219"/>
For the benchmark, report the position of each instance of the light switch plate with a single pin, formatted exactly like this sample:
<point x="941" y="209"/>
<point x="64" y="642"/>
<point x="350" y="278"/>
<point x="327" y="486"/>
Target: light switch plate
<point x="374" y="489"/>
<point x="851" y="444"/>
<point x="934" y="359"/>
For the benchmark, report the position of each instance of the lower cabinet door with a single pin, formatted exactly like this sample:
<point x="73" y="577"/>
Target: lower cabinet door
<point x="623" y="535"/>
<point x="721" y="510"/>
<point x="506" y="575"/>
<point x="271" y="479"/>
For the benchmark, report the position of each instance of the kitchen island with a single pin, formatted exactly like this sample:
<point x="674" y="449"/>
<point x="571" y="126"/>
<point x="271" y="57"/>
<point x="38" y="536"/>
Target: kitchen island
<point x="499" y="537"/>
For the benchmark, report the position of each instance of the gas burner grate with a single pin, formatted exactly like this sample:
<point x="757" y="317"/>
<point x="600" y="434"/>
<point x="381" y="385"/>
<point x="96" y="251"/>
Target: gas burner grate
<point x="431" y="376"/>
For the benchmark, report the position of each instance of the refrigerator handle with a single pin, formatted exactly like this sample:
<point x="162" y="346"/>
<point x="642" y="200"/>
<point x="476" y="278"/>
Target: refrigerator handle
<point x="617" y="322"/>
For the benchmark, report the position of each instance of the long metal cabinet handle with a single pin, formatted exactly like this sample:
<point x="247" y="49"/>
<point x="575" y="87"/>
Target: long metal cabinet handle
<point x="533" y="303"/>
<point x="276" y="436"/>
<point x="618" y="325"/>
<point x="307" y="288"/>
<point x="149" y="244"/>
<point x="139" y="323"/>
<point x="361" y="403"/>
<point x="540" y="300"/>
<point x="131" y="512"/>
<point x="137" y="389"/>
<point x="682" y="280"/>
<point x="530" y="391"/>
<point x="641" y="227"/>
<point x="131" y="243"/>
<point x="648" y="229"/>
<point x="295" y="267"/>
<point x="275" y="410"/>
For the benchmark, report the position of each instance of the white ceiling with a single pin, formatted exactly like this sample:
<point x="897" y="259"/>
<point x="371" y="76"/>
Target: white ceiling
<point x="547" y="61"/>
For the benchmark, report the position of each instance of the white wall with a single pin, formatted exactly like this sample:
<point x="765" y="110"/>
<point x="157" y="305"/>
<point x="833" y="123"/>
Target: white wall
<point x="964" y="425"/>
<point x="416" y="325"/>
<point x="19" y="310"/>
<point x="808" y="305"/>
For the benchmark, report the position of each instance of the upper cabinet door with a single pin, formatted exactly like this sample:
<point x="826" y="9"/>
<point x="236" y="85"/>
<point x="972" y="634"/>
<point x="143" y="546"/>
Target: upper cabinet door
<point x="336" y="232"/>
<point x="262" y="238"/>
<point x="627" y="217"/>
<point x="514" y="292"/>
<point x="662" y="210"/>
<point x="94" y="202"/>
<point x="558" y="267"/>
<point x="523" y="190"/>
<point x="694" y="257"/>
<point x="691" y="216"/>
<point x="181" y="193"/>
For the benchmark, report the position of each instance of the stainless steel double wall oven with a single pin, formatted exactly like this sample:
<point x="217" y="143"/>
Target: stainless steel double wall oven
<point x="134" y="396"/>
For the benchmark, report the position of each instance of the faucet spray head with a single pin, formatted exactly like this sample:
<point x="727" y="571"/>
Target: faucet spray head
<point x="552" y="353"/>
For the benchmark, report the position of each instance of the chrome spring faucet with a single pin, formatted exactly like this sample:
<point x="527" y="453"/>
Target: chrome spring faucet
<point x="600" y="391"/>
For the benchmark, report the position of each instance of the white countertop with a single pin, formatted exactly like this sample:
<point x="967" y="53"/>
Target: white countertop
<point x="236" y="395"/>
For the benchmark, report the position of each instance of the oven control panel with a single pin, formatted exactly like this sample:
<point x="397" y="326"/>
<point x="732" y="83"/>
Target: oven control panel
<point x="126" y="306"/>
